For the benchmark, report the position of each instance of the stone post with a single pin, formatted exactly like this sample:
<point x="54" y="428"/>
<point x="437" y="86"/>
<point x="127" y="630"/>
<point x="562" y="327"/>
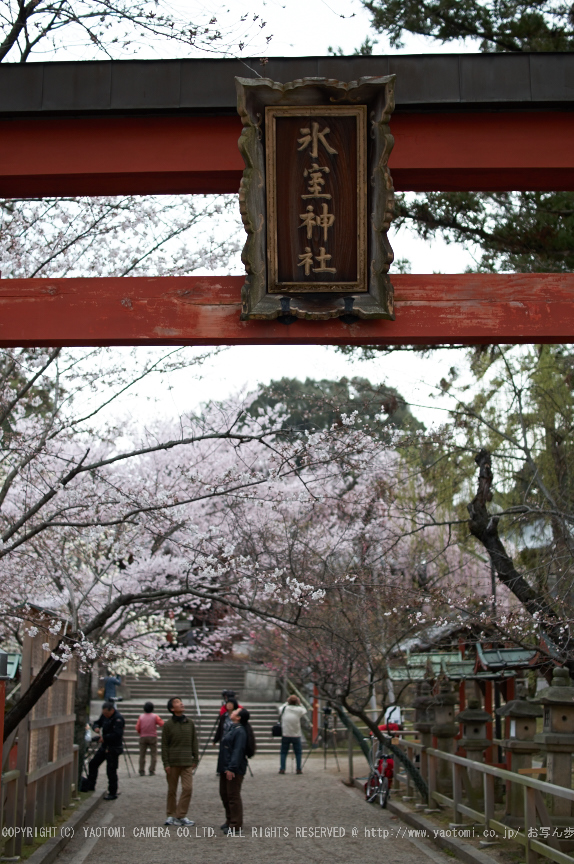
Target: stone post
<point x="557" y="737"/>
<point x="474" y="741"/>
<point x="520" y="746"/>
<point x="444" y="729"/>
<point x="424" y="719"/>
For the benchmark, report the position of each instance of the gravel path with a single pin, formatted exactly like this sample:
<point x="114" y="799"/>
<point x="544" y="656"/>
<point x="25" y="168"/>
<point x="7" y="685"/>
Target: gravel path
<point x="291" y="807"/>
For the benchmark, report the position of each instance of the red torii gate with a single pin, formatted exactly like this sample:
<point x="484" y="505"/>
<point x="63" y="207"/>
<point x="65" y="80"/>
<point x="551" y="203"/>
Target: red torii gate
<point x="463" y="122"/>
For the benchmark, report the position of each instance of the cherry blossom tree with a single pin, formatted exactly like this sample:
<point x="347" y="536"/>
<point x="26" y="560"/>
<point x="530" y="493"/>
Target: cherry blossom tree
<point x="123" y="235"/>
<point x="95" y="29"/>
<point x="110" y="525"/>
<point x="512" y="417"/>
<point x="380" y="546"/>
<point x="117" y="236"/>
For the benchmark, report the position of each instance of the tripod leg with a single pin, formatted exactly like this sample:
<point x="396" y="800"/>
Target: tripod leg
<point x="206" y="745"/>
<point x="127" y="764"/>
<point x="334" y="743"/>
<point x="128" y="761"/>
<point x="131" y="762"/>
<point x="312" y="746"/>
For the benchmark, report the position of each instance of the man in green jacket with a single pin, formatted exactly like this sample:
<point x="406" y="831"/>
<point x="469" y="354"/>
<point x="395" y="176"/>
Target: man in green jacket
<point x="180" y="755"/>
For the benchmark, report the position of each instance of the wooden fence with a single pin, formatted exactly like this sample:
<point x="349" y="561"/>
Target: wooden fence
<point x="37" y="792"/>
<point x="8" y="798"/>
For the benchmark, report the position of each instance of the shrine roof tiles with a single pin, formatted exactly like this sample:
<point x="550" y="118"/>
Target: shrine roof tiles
<point x="205" y="86"/>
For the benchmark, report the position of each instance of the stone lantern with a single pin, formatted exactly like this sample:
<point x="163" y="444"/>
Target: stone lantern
<point x="444" y="729"/>
<point x="474" y="740"/>
<point x="424" y="719"/>
<point x="424" y="712"/>
<point x="521" y="745"/>
<point x="557" y="737"/>
<point x="474" y="721"/>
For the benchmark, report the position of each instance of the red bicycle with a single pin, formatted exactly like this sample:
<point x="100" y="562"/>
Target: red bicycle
<point x="380" y="779"/>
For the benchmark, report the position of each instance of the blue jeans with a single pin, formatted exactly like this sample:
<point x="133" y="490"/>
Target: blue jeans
<point x="286" y="740"/>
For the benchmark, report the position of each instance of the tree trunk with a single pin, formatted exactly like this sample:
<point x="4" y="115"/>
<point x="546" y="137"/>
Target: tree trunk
<point x="44" y="679"/>
<point x="484" y="526"/>
<point x="397" y="753"/>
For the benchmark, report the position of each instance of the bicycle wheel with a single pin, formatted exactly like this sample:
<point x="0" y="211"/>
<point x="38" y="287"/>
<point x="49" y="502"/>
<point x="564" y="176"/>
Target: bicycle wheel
<point x="372" y="787"/>
<point x="384" y="792"/>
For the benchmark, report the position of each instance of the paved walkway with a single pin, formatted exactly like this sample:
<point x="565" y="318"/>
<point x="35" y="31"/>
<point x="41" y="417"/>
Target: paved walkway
<point x="288" y="820"/>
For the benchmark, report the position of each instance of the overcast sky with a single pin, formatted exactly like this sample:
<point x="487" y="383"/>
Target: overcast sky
<point x="300" y="28"/>
<point x="307" y="27"/>
<point x="296" y="28"/>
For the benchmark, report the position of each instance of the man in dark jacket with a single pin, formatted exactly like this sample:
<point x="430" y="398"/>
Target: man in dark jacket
<point x="180" y="755"/>
<point x="231" y="767"/>
<point x="111" y="727"/>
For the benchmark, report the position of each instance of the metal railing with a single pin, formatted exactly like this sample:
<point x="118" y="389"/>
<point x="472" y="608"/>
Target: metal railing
<point x="196" y="700"/>
<point x="480" y="807"/>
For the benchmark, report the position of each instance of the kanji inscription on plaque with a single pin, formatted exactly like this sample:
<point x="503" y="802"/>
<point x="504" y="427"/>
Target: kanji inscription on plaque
<point x="316" y="199"/>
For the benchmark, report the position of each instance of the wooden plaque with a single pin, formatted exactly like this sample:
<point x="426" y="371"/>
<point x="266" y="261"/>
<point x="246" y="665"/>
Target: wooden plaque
<point x="316" y="198"/>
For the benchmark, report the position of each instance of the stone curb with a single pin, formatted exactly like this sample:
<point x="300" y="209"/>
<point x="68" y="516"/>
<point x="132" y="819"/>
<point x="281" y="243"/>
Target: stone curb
<point x="50" y="850"/>
<point x="464" y="851"/>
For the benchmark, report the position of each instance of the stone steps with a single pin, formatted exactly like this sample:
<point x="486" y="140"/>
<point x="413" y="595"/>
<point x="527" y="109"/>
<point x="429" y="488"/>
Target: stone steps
<point x="262" y="718"/>
<point x="210" y="679"/>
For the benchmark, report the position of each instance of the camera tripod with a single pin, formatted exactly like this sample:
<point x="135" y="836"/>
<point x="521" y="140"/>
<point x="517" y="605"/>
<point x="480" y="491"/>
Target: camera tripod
<point x="128" y="759"/>
<point x="94" y="746"/>
<point x="207" y="742"/>
<point x="325" y="737"/>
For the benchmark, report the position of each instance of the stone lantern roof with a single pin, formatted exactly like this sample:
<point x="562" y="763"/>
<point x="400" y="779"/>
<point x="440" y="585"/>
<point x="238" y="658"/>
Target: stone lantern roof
<point x="424" y="695"/>
<point x="519" y="708"/>
<point x="474" y="713"/>
<point x="445" y="695"/>
<point x="560" y="692"/>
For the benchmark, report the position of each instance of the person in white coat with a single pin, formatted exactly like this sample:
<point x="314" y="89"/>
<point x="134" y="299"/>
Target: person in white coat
<point x="290" y="715"/>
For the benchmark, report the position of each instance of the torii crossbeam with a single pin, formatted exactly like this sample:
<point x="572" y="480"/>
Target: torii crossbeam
<point x="463" y="122"/>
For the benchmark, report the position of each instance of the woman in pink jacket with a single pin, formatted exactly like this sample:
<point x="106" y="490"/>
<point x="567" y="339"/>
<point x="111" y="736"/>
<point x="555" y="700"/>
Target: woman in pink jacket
<point x="146" y="727"/>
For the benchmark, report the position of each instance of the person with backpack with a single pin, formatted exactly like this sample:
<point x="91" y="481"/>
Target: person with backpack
<point x="224" y="723"/>
<point x="236" y="746"/>
<point x="290" y="715"/>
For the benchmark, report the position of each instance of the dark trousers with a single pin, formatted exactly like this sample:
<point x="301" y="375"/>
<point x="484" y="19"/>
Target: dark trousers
<point x="111" y="757"/>
<point x="286" y="740"/>
<point x="230" y="791"/>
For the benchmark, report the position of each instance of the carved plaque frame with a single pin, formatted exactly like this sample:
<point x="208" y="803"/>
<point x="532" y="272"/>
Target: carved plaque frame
<point x="371" y="295"/>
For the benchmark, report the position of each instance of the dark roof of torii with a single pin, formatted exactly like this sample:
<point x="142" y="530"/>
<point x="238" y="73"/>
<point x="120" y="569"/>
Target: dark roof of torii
<point x="459" y="82"/>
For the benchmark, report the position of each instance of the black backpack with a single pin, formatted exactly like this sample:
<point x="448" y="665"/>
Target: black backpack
<point x="251" y="746"/>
